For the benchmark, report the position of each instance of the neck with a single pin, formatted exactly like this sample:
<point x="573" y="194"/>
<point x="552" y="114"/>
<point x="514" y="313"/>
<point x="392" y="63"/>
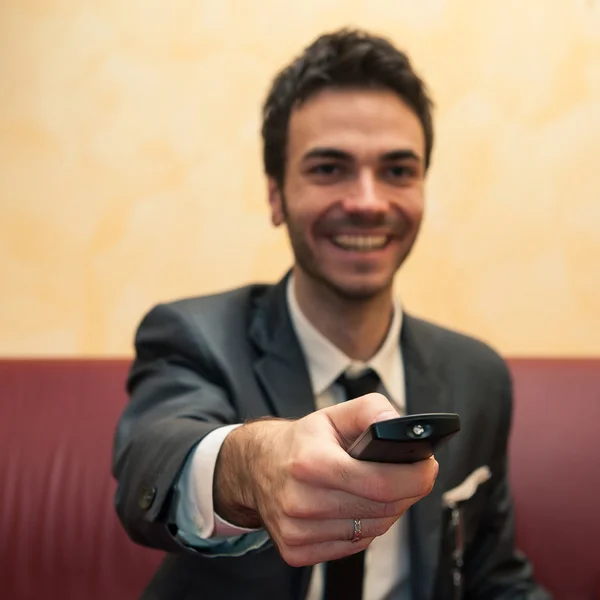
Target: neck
<point x="357" y="327"/>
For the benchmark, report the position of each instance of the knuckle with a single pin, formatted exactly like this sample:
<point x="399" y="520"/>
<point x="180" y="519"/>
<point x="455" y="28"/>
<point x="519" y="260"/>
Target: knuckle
<point x="301" y="466"/>
<point x="293" y="503"/>
<point x="293" y="510"/>
<point x="287" y="505"/>
<point x="297" y="507"/>
<point x="295" y="558"/>
<point x="290" y="535"/>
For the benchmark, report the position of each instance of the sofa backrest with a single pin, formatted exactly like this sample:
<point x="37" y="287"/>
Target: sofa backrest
<point x="60" y="537"/>
<point x="555" y="472"/>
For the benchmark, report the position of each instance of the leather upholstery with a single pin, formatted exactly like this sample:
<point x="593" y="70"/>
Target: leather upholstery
<point x="555" y="472"/>
<point x="60" y="537"/>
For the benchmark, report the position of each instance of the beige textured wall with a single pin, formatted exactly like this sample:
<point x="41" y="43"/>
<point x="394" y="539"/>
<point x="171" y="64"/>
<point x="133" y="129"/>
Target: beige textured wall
<point x="130" y="171"/>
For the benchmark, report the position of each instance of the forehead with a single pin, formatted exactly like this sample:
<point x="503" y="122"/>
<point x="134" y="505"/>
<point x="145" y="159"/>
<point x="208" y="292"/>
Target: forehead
<point x="362" y="122"/>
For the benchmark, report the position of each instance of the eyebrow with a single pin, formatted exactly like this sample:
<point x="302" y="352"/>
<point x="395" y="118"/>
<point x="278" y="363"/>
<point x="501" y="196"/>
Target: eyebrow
<point x="336" y="154"/>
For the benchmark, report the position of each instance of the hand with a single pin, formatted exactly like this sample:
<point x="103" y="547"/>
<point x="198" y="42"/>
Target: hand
<point x="296" y="479"/>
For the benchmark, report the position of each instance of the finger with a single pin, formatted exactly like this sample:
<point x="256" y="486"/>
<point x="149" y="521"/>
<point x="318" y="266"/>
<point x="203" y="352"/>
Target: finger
<point x="301" y="556"/>
<point x="379" y="482"/>
<point x="319" y="504"/>
<point x="350" y="419"/>
<point x="300" y="532"/>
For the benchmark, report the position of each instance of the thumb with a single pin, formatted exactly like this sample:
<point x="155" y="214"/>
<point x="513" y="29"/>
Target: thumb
<point x="351" y="418"/>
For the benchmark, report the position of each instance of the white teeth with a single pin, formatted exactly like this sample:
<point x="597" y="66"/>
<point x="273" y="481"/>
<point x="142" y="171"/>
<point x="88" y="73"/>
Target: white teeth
<point x="361" y="242"/>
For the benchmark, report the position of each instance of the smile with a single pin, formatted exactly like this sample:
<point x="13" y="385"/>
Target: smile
<point x="361" y="243"/>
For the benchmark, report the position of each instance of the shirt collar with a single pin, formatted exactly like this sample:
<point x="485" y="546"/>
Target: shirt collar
<point x="327" y="362"/>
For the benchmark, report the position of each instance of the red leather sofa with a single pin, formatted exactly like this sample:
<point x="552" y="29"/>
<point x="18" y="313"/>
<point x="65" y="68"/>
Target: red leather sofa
<point x="60" y="538"/>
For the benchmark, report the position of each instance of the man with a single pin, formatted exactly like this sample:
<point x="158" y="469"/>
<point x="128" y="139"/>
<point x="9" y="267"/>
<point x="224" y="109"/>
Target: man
<point x="231" y="455"/>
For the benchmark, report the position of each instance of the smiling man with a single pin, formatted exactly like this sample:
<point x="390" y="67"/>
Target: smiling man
<point x="231" y="454"/>
<point x="351" y="195"/>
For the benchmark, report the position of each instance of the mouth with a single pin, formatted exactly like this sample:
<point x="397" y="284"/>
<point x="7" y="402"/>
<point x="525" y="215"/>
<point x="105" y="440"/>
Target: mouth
<point x="361" y="243"/>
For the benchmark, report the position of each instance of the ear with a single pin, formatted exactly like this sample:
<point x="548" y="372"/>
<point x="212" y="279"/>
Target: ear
<point x="276" y="203"/>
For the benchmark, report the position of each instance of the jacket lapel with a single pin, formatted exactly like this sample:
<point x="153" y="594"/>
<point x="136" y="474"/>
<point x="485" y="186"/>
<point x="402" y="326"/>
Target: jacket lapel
<point x="423" y="395"/>
<point x="282" y="372"/>
<point x="280" y="367"/>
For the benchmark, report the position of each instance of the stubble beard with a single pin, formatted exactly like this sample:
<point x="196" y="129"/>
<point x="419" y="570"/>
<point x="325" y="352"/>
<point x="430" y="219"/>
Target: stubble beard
<point x="307" y="262"/>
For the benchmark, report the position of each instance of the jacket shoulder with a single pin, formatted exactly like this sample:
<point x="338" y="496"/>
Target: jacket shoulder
<point x="218" y="306"/>
<point x="456" y="348"/>
<point x="210" y="320"/>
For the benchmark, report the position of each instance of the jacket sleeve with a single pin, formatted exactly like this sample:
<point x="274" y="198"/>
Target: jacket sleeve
<point x="177" y="396"/>
<point x="494" y="569"/>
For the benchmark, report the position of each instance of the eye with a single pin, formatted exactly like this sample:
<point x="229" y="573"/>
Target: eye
<point x="328" y="173"/>
<point x="325" y="169"/>
<point x="401" y="171"/>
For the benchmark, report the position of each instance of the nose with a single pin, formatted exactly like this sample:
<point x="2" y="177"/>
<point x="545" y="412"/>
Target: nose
<point x="365" y="197"/>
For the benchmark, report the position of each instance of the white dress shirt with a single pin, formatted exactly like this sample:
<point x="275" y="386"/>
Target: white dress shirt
<point x="387" y="565"/>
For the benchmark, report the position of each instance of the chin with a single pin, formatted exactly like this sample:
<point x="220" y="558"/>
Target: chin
<point x="359" y="289"/>
<point x="347" y="284"/>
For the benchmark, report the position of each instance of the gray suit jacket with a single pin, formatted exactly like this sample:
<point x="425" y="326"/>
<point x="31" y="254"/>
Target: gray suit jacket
<point x="204" y="362"/>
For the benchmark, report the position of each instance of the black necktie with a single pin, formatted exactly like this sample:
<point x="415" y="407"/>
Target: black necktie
<point x="344" y="577"/>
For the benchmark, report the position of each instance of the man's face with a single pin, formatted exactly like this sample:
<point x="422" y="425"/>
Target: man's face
<point x="353" y="193"/>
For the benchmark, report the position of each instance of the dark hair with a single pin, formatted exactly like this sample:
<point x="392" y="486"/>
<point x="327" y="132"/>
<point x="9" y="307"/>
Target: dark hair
<point x="343" y="59"/>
